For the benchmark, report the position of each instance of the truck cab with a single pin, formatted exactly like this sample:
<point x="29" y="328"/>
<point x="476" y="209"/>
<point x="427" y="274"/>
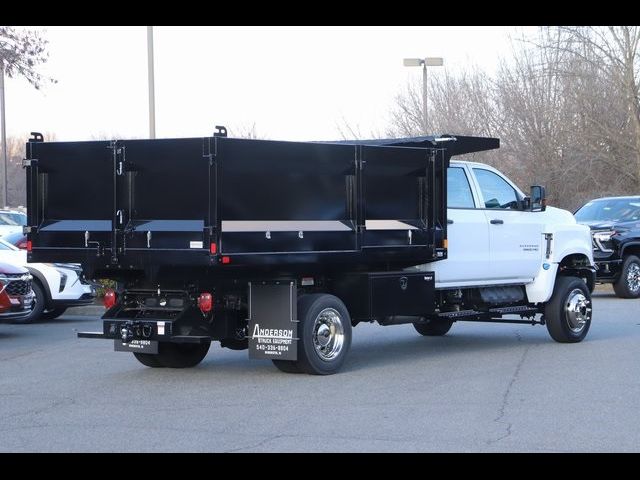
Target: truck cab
<point x="496" y="238"/>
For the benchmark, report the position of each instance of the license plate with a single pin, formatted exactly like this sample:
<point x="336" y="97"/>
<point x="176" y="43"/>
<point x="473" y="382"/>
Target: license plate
<point x="140" y="346"/>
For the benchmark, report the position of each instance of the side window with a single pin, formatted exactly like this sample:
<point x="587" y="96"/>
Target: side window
<point x="458" y="189"/>
<point x="497" y="193"/>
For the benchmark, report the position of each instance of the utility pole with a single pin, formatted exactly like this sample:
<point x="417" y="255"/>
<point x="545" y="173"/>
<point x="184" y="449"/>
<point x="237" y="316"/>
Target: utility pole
<point x="152" y="100"/>
<point x="5" y="170"/>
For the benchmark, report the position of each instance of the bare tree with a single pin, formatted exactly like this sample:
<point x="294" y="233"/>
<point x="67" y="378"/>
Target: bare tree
<point x="565" y="104"/>
<point x="17" y="190"/>
<point x="246" y="131"/>
<point x="21" y="51"/>
<point x="609" y="58"/>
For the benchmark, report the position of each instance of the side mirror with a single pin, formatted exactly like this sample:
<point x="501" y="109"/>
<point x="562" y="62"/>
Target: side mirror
<point x="537" y="199"/>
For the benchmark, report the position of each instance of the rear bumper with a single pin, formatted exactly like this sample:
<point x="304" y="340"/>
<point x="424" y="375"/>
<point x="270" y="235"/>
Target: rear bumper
<point x="153" y="330"/>
<point x="86" y="299"/>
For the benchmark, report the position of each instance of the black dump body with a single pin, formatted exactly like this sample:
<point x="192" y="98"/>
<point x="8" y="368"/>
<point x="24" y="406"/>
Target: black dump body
<point x="214" y="203"/>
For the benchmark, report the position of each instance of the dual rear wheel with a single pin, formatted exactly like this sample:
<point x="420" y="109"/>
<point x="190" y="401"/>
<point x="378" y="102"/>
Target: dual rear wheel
<point x="324" y="333"/>
<point x="174" y="355"/>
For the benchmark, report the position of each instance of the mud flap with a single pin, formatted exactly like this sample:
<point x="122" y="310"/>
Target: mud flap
<point x="273" y="324"/>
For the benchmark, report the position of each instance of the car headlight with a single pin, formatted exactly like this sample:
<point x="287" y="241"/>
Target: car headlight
<point x="602" y="240"/>
<point x="63" y="279"/>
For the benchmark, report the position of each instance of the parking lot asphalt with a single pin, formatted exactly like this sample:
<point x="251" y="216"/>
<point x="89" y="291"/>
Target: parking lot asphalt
<point x="483" y="387"/>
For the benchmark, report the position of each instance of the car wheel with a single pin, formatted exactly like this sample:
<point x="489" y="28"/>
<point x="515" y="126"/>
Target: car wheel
<point x="53" y="313"/>
<point x="39" y="300"/>
<point x="148" y="359"/>
<point x="568" y="312"/>
<point x="628" y="285"/>
<point x="287" y="366"/>
<point x="181" y="355"/>
<point x="433" y="328"/>
<point x="324" y="334"/>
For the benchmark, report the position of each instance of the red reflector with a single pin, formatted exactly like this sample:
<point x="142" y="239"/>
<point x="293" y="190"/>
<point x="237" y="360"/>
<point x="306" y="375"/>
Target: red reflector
<point x="29" y="245"/>
<point x="205" y="302"/>
<point x="109" y="298"/>
<point x="214" y="248"/>
<point x="226" y="260"/>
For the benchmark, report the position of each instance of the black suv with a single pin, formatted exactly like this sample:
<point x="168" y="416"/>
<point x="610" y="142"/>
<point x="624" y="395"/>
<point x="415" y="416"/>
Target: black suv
<point x="615" y="232"/>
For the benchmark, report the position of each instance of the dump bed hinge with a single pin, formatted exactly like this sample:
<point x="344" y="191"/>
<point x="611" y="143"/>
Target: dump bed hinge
<point x="220" y="131"/>
<point x="29" y="163"/>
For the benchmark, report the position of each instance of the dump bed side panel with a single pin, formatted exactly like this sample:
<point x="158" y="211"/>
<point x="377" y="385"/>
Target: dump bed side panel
<point x="70" y="199"/>
<point x="280" y="197"/>
<point x="223" y="203"/>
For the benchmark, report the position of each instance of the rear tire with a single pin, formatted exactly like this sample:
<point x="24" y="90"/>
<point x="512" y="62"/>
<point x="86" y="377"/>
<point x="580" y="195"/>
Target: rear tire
<point x="53" y="314"/>
<point x="628" y="285"/>
<point x="433" y="328"/>
<point x="148" y="359"/>
<point x="181" y="355"/>
<point x="287" y="366"/>
<point x="234" y="343"/>
<point x="39" y="301"/>
<point x="324" y="334"/>
<point x="568" y="312"/>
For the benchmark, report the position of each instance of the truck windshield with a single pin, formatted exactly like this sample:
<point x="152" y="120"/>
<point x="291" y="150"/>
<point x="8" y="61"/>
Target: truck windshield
<point x="618" y="210"/>
<point x="11" y="218"/>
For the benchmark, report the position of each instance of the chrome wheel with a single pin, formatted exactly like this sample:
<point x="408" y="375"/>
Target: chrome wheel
<point x="577" y="310"/>
<point x="633" y="277"/>
<point x="328" y="334"/>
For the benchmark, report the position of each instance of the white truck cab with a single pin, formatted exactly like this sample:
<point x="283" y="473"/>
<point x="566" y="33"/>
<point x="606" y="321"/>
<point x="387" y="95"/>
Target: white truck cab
<point x="496" y="240"/>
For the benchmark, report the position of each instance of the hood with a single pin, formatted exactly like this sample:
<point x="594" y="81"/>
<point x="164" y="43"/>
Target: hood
<point x="8" y="268"/>
<point x="609" y="225"/>
<point x="599" y="225"/>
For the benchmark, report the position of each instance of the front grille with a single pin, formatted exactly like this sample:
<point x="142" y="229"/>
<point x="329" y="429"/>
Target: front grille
<point x="18" y="287"/>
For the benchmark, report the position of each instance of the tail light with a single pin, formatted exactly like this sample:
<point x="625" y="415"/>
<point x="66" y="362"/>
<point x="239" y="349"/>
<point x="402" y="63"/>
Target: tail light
<point x="213" y="248"/>
<point x="29" y="246"/>
<point x="205" y="302"/>
<point x="110" y="298"/>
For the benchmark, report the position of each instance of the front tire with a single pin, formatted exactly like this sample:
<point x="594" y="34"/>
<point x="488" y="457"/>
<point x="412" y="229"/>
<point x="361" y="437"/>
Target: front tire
<point x="39" y="301"/>
<point x="568" y="312"/>
<point x="433" y="328"/>
<point x="53" y="314"/>
<point x="628" y="285"/>
<point x="324" y="334"/>
<point x="181" y="355"/>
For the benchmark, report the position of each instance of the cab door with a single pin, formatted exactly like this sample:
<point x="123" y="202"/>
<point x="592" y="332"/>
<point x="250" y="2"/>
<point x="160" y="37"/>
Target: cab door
<point x="468" y="258"/>
<point x="515" y="236"/>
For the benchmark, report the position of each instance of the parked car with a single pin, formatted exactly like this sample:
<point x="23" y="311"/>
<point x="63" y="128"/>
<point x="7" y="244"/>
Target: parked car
<point x="16" y="296"/>
<point x="11" y="221"/>
<point x="56" y="286"/>
<point x="17" y="239"/>
<point x="615" y="229"/>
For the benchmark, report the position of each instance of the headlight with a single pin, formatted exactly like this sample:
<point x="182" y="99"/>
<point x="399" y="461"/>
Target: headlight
<point x="63" y="279"/>
<point x="602" y="240"/>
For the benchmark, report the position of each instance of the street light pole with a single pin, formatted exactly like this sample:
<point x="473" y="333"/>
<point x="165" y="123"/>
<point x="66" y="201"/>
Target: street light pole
<point x="424" y="98"/>
<point x="5" y="171"/>
<point x="424" y="62"/>
<point x="152" y="100"/>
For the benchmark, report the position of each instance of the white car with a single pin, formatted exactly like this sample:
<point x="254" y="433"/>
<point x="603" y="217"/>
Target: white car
<point x="56" y="286"/>
<point x="11" y="221"/>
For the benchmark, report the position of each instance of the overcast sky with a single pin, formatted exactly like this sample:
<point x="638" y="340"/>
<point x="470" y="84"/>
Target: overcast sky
<point x="295" y="83"/>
